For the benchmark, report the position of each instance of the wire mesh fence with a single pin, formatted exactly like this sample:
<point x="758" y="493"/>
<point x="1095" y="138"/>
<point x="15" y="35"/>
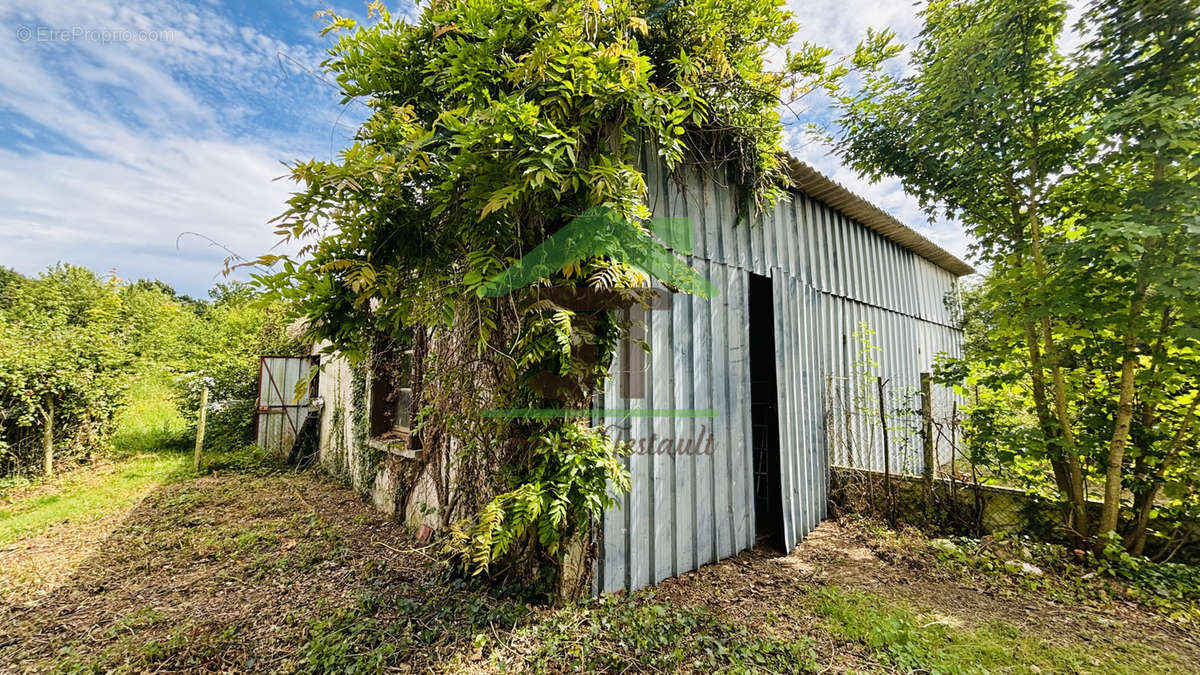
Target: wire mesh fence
<point x="21" y="450"/>
<point x="895" y="452"/>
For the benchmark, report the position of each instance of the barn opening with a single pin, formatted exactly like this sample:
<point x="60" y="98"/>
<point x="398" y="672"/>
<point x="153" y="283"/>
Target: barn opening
<point x="764" y="416"/>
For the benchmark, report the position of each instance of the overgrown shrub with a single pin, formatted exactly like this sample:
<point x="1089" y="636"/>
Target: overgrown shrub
<point x="233" y="330"/>
<point x="73" y="342"/>
<point x="61" y="353"/>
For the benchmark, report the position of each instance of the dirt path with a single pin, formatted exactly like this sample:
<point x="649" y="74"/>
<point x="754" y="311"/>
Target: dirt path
<point x="49" y="529"/>
<point x="234" y="555"/>
<point x="292" y="573"/>
<point x="757" y="584"/>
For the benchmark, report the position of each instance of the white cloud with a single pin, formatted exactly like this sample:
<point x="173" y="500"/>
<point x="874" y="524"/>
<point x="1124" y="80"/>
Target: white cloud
<point x="114" y="148"/>
<point x="119" y="147"/>
<point x="841" y="25"/>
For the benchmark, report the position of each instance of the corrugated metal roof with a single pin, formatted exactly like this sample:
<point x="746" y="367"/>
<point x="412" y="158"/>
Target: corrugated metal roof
<point x="819" y="186"/>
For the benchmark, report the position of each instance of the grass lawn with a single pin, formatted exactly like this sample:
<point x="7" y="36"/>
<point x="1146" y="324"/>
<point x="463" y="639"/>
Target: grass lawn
<point x="142" y="459"/>
<point x="89" y="494"/>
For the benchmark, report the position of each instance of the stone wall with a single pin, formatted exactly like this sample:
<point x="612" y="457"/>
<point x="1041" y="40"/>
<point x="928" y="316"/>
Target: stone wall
<point x="395" y="482"/>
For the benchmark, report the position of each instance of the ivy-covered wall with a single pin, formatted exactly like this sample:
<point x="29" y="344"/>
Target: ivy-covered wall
<point x="394" y="484"/>
<point x="344" y="452"/>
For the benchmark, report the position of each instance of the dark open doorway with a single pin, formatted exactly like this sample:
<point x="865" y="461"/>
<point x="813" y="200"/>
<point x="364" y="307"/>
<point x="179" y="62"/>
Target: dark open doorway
<point x="764" y="416"/>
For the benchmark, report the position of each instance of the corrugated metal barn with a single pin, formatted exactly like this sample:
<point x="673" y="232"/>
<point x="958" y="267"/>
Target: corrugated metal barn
<point x="801" y="279"/>
<point x="746" y="461"/>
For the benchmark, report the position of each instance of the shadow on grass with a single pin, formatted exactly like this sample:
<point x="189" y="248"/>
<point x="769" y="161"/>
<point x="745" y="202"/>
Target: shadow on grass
<point x="254" y="567"/>
<point x="226" y="570"/>
<point x="284" y="571"/>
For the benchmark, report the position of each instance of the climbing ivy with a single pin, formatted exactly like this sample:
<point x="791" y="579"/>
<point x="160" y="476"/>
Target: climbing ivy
<point x="492" y="124"/>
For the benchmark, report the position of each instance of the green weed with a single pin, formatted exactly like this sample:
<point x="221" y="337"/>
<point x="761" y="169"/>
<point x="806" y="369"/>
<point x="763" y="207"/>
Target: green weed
<point x="619" y="634"/>
<point x="902" y="638"/>
<point x="458" y="623"/>
<point x="1051" y="569"/>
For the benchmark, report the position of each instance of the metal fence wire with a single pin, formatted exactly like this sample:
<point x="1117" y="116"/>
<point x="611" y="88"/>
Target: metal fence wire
<point x="20" y="450"/>
<point x="895" y="453"/>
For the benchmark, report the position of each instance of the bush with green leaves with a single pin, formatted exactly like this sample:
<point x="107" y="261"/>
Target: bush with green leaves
<point x="564" y="489"/>
<point x="61" y="353"/>
<point x="73" y="342"/>
<point x="1173" y="588"/>
<point x="230" y="333"/>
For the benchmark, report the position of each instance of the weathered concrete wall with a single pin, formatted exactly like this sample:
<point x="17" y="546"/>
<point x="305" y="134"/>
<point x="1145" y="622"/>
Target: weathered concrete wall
<point x="395" y="484"/>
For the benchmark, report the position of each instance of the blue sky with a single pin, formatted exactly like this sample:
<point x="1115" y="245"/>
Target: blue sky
<point x="125" y="124"/>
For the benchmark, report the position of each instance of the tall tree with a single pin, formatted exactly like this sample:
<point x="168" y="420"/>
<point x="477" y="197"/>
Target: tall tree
<point x="1139" y="203"/>
<point x="1077" y="179"/>
<point x="979" y="131"/>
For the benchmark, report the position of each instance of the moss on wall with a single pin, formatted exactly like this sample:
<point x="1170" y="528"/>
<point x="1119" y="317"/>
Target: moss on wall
<point x="364" y="461"/>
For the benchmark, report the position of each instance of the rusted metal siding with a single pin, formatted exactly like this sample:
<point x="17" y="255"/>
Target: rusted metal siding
<point x="829" y="275"/>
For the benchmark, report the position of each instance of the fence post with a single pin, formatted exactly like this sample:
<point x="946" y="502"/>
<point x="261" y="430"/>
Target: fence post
<point x="954" y="453"/>
<point x="887" y="458"/>
<point x="200" y="428"/>
<point x="927" y="430"/>
<point x="48" y="437"/>
<point x="830" y="427"/>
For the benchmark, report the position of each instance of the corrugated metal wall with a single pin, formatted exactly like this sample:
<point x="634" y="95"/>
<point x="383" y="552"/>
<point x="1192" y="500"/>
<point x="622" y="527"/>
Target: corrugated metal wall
<point x="829" y="275"/>
<point x="280" y="413"/>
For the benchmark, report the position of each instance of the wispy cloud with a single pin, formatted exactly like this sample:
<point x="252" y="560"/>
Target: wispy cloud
<point x="841" y="26"/>
<point x="131" y="123"/>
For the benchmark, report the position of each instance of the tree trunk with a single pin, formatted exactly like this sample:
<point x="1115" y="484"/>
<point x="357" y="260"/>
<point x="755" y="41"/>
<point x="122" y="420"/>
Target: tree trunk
<point x="1116" y="450"/>
<point x="1137" y="539"/>
<point x="1143" y="502"/>
<point x="575" y="571"/>
<point x="1071" y="469"/>
<point x="1076" y="518"/>
<point x="1070" y="458"/>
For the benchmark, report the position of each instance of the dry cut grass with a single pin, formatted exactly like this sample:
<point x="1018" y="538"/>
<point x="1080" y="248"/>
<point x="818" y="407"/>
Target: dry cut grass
<point x="285" y="572"/>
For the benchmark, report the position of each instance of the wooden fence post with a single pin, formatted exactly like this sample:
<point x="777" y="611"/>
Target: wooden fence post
<point x="200" y="428"/>
<point x="954" y="453"/>
<point x="48" y="437"/>
<point x="830" y="429"/>
<point x="927" y="430"/>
